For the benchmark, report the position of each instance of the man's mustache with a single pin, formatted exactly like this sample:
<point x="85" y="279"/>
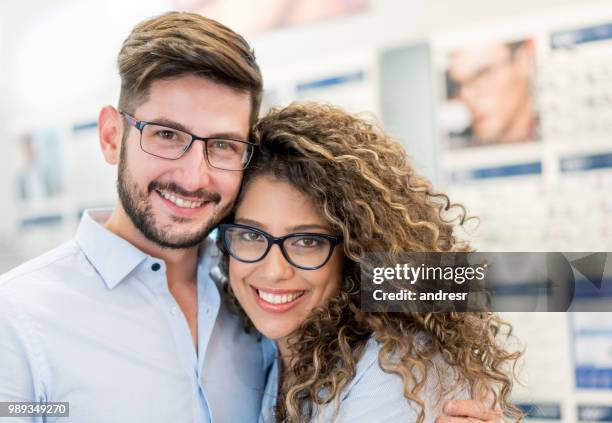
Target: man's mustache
<point x="199" y="195"/>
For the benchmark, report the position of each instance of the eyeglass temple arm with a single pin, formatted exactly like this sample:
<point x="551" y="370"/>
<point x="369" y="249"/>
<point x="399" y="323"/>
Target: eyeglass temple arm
<point x="132" y="121"/>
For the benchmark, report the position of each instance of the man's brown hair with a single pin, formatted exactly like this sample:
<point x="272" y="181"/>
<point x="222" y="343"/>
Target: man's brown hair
<point x="176" y="44"/>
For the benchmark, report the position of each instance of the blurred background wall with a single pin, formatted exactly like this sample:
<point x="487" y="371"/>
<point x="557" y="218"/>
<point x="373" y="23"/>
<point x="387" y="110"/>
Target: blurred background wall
<point x="507" y="106"/>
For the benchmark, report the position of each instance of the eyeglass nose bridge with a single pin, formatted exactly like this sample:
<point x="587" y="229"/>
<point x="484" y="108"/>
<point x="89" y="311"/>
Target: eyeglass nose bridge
<point x="272" y="241"/>
<point x="195" y="138"/>
<point x="280" y="243"/>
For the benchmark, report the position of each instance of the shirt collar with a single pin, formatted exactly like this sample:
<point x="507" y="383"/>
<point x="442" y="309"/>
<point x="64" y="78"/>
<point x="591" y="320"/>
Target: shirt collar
<point x="112" y="256"/>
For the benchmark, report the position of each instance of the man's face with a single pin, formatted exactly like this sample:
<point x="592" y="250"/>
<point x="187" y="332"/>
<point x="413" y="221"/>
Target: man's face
<point x="175" y="203"/>
<point x="494" y="85"/>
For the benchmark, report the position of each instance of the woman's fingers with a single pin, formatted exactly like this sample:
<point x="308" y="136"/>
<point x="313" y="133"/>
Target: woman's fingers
<point x="476" y="410"/>
<point x="447" y="419"/>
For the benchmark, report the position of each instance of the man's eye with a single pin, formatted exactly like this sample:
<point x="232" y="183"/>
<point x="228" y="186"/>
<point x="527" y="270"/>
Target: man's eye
<point x="222" y="145"/>
<point x="166" y="134"/>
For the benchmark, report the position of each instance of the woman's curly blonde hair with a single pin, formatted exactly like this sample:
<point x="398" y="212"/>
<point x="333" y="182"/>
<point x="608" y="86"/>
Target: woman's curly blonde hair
<point x="363" y="184"/>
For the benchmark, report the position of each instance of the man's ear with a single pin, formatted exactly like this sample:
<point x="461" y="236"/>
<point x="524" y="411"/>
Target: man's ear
<point x="110" y="131"/>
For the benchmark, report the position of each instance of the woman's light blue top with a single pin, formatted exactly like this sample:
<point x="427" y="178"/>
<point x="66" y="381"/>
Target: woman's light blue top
<point x="373" y="395"/>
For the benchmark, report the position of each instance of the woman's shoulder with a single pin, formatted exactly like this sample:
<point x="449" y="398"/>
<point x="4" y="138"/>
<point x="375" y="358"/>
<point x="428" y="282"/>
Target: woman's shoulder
<point x="376" y="395"/>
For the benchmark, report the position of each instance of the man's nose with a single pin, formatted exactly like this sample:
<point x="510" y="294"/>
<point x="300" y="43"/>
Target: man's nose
<point x="195" y="167"/>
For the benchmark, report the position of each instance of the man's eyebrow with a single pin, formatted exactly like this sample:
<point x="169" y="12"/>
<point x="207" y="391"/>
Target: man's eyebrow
<point x="179" y="126"/>
<point x="170" y="124"/>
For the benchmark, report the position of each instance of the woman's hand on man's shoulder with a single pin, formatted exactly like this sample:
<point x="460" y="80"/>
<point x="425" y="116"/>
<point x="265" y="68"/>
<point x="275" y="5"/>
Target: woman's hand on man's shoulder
<point x="469" y="411"/>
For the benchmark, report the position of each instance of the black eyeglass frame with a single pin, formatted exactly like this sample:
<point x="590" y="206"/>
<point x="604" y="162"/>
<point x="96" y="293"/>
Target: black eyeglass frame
<point x="333" y="242"/>
<point x="140" y="125"/>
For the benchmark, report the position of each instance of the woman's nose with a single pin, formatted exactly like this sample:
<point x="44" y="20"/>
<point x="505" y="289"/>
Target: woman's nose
<point x="276" y="267"/>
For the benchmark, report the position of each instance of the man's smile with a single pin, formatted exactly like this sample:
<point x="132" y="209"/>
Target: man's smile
<point x="181" y="201"/>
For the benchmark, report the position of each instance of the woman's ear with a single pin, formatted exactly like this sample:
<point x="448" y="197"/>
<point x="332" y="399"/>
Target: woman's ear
<point x="110" y="131"/>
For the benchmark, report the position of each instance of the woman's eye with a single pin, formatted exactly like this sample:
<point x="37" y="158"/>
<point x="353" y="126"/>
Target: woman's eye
<point x="308" y="242"/>
<point x="251" y="236"/>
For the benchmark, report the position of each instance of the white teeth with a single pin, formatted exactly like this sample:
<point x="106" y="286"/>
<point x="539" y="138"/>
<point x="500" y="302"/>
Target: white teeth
<point x="180" y="202"/>
<point x="278" y="299"/>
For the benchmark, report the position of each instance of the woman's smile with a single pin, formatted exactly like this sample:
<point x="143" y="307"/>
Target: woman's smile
<point x="277" y="300"/>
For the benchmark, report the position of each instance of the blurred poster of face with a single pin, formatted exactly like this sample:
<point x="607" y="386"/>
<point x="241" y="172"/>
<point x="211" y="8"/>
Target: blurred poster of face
<point x="494" y="83"/>
<point x="39" y="170"/>
<point x="249" y="17"/>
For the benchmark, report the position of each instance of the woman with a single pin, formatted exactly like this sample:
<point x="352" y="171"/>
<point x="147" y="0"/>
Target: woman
<point x="325" y="188"/>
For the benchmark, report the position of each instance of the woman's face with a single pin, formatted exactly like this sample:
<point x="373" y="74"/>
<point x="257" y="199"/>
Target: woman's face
<point x="275" y="295"/>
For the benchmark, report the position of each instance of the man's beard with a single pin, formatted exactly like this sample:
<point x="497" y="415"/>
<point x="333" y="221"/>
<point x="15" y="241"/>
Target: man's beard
<point x="137" y="205"/>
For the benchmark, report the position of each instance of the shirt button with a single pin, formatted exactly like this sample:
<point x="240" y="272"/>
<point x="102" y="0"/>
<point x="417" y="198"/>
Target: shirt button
<point x="174" y="310"/>
<point x="155" y="267"/>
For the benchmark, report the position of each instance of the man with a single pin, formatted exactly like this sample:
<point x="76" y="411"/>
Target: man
<point x="124" y="322"/>
<point x="494" y="82"/>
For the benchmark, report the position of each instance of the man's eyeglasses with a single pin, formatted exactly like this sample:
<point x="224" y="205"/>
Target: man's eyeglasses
<point x="170" y="143"/>
<point x="308" y="251"/>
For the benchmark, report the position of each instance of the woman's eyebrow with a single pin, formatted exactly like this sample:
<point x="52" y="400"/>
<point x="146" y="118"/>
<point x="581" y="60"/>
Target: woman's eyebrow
<point x="249" y="222"/>
<point x="296" y="228"/>
<point x="309" y="227"/>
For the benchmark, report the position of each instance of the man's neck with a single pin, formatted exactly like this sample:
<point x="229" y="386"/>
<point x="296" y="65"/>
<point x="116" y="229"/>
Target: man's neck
<point x="181" y="264"/>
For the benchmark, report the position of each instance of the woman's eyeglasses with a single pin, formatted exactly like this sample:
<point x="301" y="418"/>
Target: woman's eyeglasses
<point x="308" y="251"/>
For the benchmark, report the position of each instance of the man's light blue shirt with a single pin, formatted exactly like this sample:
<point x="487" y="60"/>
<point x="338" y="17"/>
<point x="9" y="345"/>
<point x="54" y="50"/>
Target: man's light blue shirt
<point x="93" y="323"/>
